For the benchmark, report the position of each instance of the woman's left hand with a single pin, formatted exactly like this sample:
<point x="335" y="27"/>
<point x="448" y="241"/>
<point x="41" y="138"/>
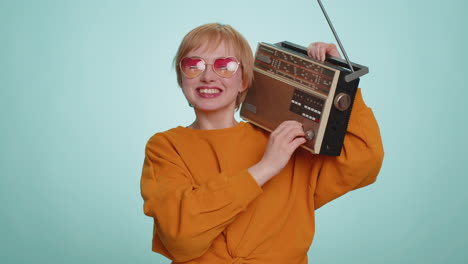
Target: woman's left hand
<point x="319" y="50"/>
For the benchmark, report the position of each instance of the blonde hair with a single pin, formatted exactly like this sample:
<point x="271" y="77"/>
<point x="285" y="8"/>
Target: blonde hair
<point x="212" y="35"/>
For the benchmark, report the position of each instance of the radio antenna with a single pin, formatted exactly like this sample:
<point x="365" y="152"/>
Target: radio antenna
<point x="336" y="35"/>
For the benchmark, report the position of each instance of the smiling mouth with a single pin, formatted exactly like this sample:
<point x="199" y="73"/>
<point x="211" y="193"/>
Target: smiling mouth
<point x="209" y="91"/>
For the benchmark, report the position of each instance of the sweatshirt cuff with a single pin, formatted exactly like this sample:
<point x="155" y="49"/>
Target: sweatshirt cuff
<point x="245" y="188"/>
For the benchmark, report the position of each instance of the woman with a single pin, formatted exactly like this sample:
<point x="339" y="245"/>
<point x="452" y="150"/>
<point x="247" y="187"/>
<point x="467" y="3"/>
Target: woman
<point x="227" y="192"/>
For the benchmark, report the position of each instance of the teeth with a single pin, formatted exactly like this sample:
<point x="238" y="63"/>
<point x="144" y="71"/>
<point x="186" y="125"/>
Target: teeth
<point x="209" y="91"/>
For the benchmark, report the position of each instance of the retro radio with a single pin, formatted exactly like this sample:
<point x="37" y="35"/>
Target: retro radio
<point x="289" y="85"/>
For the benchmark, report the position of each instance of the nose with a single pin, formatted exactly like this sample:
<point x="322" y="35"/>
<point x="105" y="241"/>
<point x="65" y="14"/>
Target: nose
<point x="208" y="75"/>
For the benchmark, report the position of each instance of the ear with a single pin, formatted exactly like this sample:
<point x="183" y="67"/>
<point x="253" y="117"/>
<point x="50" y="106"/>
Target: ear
<point x="244" y="86"/>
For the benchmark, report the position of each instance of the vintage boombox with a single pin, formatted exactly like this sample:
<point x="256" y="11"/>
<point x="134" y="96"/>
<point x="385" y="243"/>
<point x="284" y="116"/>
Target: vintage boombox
<point x="289" y="85"/>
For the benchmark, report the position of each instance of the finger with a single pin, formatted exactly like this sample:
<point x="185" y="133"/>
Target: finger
<point x="291" y="124"/>
<point x="296" y="130"/>
<point x="320" y="47"/>
<point x="279" y="128"/>
<point x="333" y="51"/>
<point x="323" y="52"/>
<point x="312" y="50"/>
<point x="290" y="132"/>
<point x="296" y="143"/>
<point x="316" y="51"/>
<point x="282" y="136"/>
<point x="309" y="50"/>
<point x="312" y="53"/>
<point x="285" y="125"/>
<point x="319" y="50"/>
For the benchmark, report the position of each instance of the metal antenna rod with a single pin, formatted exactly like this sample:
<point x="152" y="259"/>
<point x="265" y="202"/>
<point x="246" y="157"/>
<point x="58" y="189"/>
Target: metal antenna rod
<point x="336" y="35"/>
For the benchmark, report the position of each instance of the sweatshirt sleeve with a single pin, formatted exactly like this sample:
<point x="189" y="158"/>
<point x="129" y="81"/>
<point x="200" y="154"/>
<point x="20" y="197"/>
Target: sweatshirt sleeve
<point x="187" y="216"/>
<point x="360" y="159"/>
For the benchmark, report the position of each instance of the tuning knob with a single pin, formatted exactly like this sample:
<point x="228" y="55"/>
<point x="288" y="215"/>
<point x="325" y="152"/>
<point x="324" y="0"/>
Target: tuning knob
<point x="342" y="101"/>
<point x="310" y="134"/>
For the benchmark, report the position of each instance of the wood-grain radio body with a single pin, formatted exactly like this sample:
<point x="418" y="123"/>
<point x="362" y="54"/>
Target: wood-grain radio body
<point x="289" y="85"/>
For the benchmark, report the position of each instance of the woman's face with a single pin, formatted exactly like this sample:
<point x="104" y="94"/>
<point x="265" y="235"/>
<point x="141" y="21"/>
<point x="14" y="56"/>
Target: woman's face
<point x="208" y="91"/>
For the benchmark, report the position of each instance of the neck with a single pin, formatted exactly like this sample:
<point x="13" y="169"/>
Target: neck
<point x="213" y="120"/>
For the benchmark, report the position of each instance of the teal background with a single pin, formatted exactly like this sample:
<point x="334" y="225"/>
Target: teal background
<point x="84" y="84"/>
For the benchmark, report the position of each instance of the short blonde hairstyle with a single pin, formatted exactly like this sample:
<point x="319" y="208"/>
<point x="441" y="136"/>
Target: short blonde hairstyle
<point x="214" y="34"/>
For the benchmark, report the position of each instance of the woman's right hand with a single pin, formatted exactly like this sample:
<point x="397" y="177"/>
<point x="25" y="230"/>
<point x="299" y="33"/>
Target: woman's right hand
<point x="284" y="140"/>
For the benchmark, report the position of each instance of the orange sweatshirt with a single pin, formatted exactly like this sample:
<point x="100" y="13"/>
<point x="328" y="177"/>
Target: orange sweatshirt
<point x="207" y="208"/>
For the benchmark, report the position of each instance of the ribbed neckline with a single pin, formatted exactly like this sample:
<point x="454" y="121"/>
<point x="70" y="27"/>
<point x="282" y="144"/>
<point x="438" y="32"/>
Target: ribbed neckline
<point x="221" y="131"/>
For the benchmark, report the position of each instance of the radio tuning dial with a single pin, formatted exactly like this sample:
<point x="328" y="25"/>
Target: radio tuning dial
<point x="342" y="101"/>
<point x="310" y="134"/>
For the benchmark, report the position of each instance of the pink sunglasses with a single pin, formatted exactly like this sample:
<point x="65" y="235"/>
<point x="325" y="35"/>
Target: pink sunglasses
<point x="192" y="67"/>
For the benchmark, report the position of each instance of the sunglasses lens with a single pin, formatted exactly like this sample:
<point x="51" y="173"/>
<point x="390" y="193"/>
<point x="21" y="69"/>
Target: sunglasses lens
<point x="192" y="67"/>
<point x="226" y="67"/>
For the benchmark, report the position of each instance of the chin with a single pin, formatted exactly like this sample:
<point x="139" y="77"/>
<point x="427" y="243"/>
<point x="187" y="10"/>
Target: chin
<point x="207" y="107"/>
